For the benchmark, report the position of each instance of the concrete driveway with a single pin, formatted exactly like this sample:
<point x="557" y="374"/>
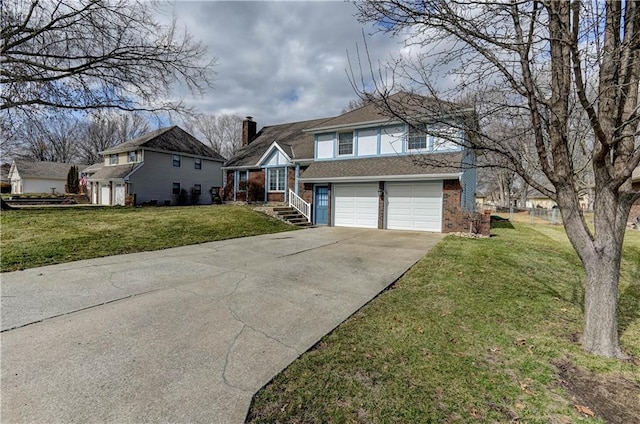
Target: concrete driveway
<point x="183" y="335"/>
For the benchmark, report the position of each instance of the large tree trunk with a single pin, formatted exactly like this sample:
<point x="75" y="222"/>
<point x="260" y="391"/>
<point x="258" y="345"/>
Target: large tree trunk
<point x="601" y="255"/>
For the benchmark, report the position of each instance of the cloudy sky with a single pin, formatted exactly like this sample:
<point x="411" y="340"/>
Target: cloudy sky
<point x="280" y="61"/>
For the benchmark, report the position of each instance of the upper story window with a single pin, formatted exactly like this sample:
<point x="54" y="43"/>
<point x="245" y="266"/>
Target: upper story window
<point x="345" y="144"/>
<point x="176" y="160"/>
<point x="132" y="156"/>
<point x="113" y="159"/>
<point x="418" y="137"/>
<point x="197" y="163"/>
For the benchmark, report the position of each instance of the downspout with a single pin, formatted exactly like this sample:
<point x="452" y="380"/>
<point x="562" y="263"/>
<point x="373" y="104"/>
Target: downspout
<point x="235" y="184"/>
<point x="286" y="184"/>
<point x="266" y="185"/>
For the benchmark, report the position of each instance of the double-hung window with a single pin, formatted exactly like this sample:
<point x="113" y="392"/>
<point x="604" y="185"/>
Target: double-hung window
<point x="197" y="189"/>
<point x="132" y="156"/>
<point x="176" y="160"/>
<point x="113" y="159"/>
<point x="276" y="179"/>
<point x="418" y="137"/>
<point x="175" y="188"/>
<point x="197" y="163"/>
<point x="345" y="144"/>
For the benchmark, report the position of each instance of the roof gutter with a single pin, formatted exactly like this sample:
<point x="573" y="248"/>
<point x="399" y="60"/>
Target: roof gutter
<point x="371" y="178"/>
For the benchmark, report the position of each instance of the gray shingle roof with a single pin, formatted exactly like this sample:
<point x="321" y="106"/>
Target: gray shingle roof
<point x="408" y="104"/>
<point x="44" y="169"/>
<point x="114" y="171"/>
<point x="171" y="139"/>
<point x="296" y="143"/>
<point x="436" y="163"/>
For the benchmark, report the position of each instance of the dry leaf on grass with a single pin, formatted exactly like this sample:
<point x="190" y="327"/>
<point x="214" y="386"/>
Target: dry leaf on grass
<point x="585" y="410"/>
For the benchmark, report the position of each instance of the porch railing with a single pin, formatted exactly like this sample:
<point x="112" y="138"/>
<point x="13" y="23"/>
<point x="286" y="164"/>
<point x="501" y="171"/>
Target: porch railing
<point x="297" y="203"/>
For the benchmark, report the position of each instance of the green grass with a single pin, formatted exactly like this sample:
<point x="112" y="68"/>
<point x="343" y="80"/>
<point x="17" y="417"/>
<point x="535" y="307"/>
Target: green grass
<point x="470" y="334"/>
<point x="43" y="236"/>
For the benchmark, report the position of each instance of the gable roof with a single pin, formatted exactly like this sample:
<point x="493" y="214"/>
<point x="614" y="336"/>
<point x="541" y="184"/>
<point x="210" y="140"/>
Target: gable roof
<point x="409" y="104"/>
<point x="171" y="139"/>
<point x="290" y="137"/>
<point x="386" y="166"/>
<point x="44" y="169"/>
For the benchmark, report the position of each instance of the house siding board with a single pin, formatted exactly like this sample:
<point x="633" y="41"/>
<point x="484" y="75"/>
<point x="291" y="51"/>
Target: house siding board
<point x="367" y="142"/>
<point x="38" y="185"/>
<point x="469" y="181"/>
<point x="153" y="181"/>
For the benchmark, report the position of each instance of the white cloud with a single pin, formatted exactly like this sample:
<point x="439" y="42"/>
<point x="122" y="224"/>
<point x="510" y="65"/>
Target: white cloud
<point x="279" y="61"/>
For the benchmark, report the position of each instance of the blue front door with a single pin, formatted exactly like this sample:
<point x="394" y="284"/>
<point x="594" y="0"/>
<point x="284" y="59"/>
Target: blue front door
<point x="321" y="205"/>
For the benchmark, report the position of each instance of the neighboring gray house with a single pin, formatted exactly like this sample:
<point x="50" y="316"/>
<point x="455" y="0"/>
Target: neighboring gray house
<point x="364" y="169"/>
<point x="39" y="176"/>
<point x="155" y="168"/>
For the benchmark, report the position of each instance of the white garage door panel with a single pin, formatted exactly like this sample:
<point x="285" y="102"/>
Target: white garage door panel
<point x="414" y="206"/>
<point x="356" y="205"/>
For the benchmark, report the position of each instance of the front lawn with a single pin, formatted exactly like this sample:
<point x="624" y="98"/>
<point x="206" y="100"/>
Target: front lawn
<point x="478" y="331"/>
<point x="44" y="236"/>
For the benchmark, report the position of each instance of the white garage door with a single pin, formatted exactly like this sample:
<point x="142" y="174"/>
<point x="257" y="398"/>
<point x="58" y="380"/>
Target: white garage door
<point x="355" y="205"/>
<point x="414" y="206"/>
<point x="105" y="195"/>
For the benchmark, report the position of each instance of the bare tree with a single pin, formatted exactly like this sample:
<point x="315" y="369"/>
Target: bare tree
<point x="540" y="53"/>
<point x="55" y="139"/>
<point x="105" y="129"/>
<point x="355" y="104"/>
<point x="223" y="133"/>
<point x="93" y="54"/>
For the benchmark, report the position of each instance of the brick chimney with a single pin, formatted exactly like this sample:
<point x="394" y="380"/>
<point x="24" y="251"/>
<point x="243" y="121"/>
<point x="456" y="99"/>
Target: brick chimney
<point x="249" y="127"/>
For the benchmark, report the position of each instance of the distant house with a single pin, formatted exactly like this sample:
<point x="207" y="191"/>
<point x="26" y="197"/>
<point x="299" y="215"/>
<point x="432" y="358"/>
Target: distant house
<point x="362" y="168"/>
<point x="156" y="168"/>
<point x="39" y="176"/>
<point x="535" y="199"/>
<point x="635" y="209"/>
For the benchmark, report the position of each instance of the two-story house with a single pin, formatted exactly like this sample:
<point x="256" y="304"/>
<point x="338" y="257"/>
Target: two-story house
<point x="156" y="168"/>
<point x="363" y="169"/>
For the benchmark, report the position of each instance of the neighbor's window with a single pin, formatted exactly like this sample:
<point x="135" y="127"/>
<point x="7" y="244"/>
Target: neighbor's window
<point x="276" y="179"/>
<point x="345" y="143"/>
<point x="175" y="189"/>
<point x="176" y="160"/>
<point x="197" y="163"/>
<point x="197" y="189"/>
<point x="417" y="137"/>
<point x="113" y="159"/>
<point x="133" y="156"/>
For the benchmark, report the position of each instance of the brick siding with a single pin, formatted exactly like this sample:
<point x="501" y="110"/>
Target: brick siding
<point x="455" y="219"/>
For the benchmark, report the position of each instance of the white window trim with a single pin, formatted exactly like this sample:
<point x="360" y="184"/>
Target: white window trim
<point x="284" y="179"/>
<point x="352" y="144"/>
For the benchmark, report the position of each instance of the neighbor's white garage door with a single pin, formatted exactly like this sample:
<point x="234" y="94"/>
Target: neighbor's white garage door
<point x="105" y="195"/>
<point x="414" y="206"/>
<point x="355" y="205"/>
